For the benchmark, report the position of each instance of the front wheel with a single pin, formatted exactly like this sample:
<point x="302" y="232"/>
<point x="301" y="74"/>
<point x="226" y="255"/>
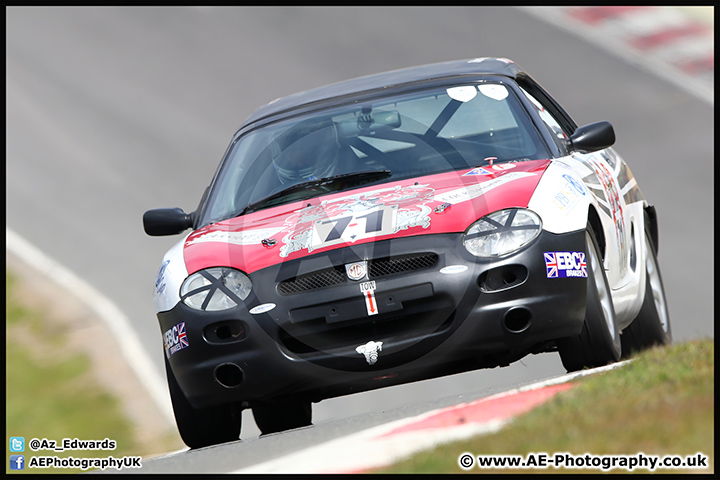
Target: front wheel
<point x="278" y="417"/>
<point x="652" y="325"/>
<point x="599" y="341"/>
<point x="202" y="427"/>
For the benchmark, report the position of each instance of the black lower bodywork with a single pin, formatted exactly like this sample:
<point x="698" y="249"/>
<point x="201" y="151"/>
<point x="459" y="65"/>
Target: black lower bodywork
<point x="430" y="323"/>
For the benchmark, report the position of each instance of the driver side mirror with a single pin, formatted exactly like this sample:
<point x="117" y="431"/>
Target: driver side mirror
<point x="166" y="221"/>
<point x="593" y="137"/>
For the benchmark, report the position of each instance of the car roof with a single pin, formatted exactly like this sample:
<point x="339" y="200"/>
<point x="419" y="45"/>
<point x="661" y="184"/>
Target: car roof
<point x="477" y="66"/>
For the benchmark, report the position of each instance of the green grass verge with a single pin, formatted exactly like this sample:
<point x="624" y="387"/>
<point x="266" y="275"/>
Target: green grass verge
<point x="661" y="403"/>
<point x="51" y="394"/>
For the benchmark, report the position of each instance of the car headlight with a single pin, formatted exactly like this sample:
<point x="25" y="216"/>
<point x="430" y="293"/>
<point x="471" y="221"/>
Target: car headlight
<point x="216" y="288"/>
<point x="502" y="232"/>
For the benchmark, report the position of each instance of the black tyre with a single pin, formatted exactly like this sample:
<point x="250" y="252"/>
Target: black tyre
<point x="599" y="341"/>
<point x="652" y="325"/>
<point x="278" y="417"/>
<point x="202" y="427"/>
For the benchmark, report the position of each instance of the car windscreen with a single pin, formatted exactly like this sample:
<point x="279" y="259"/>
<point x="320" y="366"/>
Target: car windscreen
<point x="408" y="135"/>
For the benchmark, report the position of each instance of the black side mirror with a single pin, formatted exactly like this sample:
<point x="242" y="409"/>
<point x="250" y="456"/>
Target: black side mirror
<point x="593" y="137"/>
<point x="166" y="221"/>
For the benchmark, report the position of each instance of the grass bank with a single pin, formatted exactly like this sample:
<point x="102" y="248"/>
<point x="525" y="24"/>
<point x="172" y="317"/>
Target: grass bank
<point x="662" y="403"/>
<point x="52" y="394"/>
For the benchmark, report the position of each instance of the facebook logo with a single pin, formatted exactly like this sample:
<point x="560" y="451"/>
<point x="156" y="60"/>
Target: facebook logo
<point x="17" y="462"/>
<point x="17" y="444"/>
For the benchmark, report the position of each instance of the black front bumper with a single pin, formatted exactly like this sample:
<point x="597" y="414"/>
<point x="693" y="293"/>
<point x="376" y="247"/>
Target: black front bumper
<point x="430" y="323"/>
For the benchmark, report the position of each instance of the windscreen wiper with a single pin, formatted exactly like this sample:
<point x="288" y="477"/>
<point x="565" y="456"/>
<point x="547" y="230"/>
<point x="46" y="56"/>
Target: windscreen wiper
<point x="361" y="177"/>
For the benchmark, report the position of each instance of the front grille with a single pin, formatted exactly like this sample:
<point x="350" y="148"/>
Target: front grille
<point x="394" y="265"/>
<point x="382" y="267"/>
<point x="313" y="281"/>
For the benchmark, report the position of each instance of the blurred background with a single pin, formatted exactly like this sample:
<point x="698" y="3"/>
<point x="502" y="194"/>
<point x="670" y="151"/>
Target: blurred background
<point x="112" y="111"/>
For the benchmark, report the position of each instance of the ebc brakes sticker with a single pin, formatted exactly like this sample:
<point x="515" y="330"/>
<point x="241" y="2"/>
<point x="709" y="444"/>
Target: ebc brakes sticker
<point x="565" y="264"/>
<point x="175" y="339"/>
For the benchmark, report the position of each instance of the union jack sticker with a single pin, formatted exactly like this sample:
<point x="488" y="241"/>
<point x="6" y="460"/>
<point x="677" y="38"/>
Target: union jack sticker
<point x="175" y="339"/>
<point x="565" y="264"/>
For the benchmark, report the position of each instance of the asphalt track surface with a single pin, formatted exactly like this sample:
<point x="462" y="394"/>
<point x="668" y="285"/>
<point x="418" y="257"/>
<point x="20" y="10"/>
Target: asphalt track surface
<point x="114" y="111"/>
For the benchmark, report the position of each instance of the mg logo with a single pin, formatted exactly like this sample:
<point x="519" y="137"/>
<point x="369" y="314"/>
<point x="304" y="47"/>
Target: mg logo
<point x="356" y="271"/>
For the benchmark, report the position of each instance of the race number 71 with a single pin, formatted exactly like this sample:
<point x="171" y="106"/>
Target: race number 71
<point x="356" y="226"/>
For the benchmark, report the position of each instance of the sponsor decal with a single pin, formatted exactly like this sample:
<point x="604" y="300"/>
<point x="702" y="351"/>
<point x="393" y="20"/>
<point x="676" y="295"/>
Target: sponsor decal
<point x="160" y="283"/>
<point x="612" y="193"/>
<point x="565" y="264"/>
<point x="175" y="339"/>
<point x="470" y="192"/>
<point x="450" y="269"/>
<point x="269" y="242"/>
<point x="368" y="291"/>
<point x="569" y="194"/>
<point x="478" y="171"/>
<point x="563" y="200"/>
<point x="578" y="186"/>
<point x="265" y="307"/>
<point x="371" y="351"/>
<point x="609" y="157"/>
<point x="490" y="169"/>
<point x="440" y="209"/>
<point x="244" y="237"/>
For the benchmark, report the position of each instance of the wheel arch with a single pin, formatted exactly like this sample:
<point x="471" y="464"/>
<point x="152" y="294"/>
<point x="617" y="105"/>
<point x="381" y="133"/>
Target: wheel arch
<point x="651" y="225"/>
<point x="596" y="227"/>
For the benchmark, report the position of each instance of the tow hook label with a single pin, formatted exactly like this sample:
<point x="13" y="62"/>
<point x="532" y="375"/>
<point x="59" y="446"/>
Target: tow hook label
<point x="368" y="291"/>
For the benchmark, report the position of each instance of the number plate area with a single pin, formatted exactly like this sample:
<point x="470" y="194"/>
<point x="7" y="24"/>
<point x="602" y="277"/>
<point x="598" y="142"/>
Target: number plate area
<point x="354" y="226"/>
<point x="349" y="309"/>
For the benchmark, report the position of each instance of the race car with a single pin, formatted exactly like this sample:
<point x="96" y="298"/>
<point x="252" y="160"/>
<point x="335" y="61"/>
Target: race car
<point x="399" y="227"/>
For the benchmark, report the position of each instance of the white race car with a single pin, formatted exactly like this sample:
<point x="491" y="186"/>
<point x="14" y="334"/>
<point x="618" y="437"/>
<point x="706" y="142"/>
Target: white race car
<point x="399" y="227"/>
